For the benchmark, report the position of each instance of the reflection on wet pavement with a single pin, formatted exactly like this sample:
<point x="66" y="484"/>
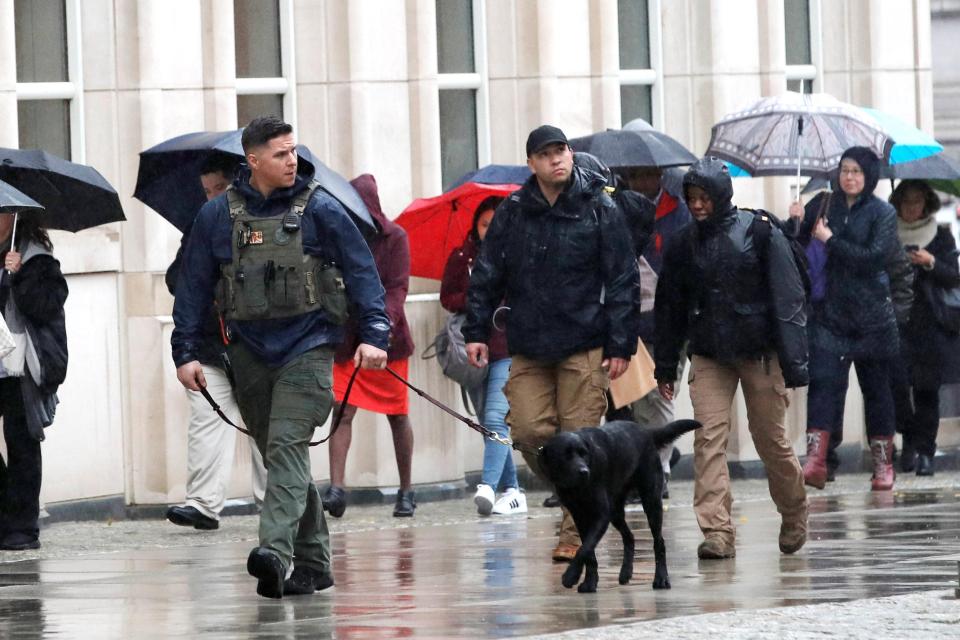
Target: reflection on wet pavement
<point x="490" y="578"/>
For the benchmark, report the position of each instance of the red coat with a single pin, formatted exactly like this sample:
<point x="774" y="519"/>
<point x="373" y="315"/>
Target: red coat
<point x="391" y="253"/>
<point x="453" y="293"/>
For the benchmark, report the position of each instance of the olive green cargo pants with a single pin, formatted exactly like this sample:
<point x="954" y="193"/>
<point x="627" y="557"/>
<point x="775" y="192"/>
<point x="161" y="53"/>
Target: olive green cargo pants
<point x="281" y="407"/>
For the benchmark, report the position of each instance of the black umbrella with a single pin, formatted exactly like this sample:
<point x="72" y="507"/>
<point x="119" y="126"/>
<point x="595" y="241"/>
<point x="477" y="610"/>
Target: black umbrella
<point x="168" y="180"/>
<point x="634" y="148"/>
<point x="14" y="201"/>
<point x="74" y="196"/>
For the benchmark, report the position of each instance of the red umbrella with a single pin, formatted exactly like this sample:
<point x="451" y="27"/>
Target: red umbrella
<point x="436" y="226"/>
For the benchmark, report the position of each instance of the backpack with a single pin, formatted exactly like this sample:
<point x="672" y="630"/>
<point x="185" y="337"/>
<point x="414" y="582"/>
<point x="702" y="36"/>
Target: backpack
<point x="762" y="228"/>
<point x="450" y="350"/>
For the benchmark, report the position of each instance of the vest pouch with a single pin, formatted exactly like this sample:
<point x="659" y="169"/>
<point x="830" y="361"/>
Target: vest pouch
<point x="331" y="293"/>
<point x="249" y="287"/>
<point x="284" y="286"/>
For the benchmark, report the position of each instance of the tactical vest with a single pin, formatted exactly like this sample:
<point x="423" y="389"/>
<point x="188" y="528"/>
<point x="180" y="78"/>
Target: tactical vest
<point x="269" y="276"/>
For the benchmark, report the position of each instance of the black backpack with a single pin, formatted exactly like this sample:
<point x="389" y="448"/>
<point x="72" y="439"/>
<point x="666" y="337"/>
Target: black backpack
<point x="762" y="227"/>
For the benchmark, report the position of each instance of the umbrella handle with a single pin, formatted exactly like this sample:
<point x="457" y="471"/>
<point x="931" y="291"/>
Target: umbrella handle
<point x="799" y="152"/>
<point x="13" y="234"/>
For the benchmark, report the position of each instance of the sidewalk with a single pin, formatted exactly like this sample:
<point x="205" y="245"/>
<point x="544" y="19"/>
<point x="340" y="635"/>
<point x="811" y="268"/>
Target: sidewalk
<point x="877" y="565"/>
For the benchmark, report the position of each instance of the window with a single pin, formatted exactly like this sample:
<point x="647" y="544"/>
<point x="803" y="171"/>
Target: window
<point x="801" y="25"/>
<point x="462" y="84"/>
<point x="49" y="95"/>
<point x="638" y="27"/>
<point x="264" y="54"/>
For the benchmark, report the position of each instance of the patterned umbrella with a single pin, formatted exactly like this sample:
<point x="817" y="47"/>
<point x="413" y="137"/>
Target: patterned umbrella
<point x="780" y="135"/>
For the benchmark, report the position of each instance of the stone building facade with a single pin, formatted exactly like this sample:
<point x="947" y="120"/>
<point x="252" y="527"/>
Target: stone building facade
<point x="413" y="91"/>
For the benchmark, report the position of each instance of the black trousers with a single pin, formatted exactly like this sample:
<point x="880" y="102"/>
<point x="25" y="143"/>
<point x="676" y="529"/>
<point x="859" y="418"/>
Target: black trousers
<point x="20" y="474"/>
<point x="918" y="414"/>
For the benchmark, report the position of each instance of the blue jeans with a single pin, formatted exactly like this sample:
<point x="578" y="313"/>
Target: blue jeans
<point x="499" y="470"/>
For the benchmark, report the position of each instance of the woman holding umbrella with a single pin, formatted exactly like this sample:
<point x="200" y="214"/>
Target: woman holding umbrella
<point x="929" y="345"/>
<point x="852" y="318"/>
<point x="32" y="294"/>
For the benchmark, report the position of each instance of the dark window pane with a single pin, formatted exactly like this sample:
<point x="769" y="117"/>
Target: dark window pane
<point x="45" y="124"/>
<point x="796" y="85"/>
<point x="634" y="29"/>
<point x="41" y="40"/>
<point x="636" y="101"/>
<point x="455" y="36"/>
<point x="458" y="134"/>
<point x="796" y="17"/>
<point x="257" y="34"/>
<point x="249" y="107"/>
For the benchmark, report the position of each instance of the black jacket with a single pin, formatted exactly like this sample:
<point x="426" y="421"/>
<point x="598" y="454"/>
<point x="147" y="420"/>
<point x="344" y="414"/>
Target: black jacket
<point x="856" y="317"/>
<point x="568" y="272"/>
<point x="40" y="291"/>
<point x="729" y="296"/>
<point x="210" y="350"/>
<point x="931" y="353"/>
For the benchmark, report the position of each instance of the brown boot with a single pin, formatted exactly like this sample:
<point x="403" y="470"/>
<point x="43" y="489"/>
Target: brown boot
<point x="793" y="532"/>
<point x="815" y="468"/>
<point x="716" y="548"/>
<point x="881" y="449"/>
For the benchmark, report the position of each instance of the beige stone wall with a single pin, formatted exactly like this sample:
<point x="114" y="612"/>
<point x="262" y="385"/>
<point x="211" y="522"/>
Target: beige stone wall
<point x="366" y="101"/>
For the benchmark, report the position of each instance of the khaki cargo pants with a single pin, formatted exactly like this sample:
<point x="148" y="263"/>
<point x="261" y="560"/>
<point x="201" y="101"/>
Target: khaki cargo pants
<point x="712" y="389"/>
<point x="281" y="408"/>
<point x="547" y="398"/>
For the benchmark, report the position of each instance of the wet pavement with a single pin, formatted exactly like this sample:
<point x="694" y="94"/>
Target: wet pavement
<point x="450" y="574"/>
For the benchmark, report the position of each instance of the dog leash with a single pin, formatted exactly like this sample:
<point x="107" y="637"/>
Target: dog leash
<point x="336" y="418"/>
<point x="476" y="426"/>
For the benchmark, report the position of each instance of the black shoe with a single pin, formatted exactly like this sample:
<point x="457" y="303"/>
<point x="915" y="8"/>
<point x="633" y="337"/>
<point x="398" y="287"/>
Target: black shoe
<point x="924" y="465"/>
<point x="908" y="458"/>
<point x="334" y="500"/>
<point x="406" y="503"/>
<point x="551" y="501"/>
<point x="191" y="517"/>
<point x="306" y="580"/>
<point x="19" y="542"/>
<point x="268" y="569"/>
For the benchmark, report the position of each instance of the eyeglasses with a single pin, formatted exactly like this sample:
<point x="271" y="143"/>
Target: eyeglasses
<point x="851" y="172"/>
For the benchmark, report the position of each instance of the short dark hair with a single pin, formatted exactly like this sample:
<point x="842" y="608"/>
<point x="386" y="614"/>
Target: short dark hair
<point x="931" y="203"/>
<point x="490" y="203"/>
<point x="262" y="130"/>
<point x="221" y="163"/>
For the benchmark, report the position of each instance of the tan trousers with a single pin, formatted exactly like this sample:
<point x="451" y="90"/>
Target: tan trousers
<point x="712" y="389"/>
<point x="547" y="398"/>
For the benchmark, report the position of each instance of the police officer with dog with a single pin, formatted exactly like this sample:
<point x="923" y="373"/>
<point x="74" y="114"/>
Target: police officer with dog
<point x="283" y="259"/>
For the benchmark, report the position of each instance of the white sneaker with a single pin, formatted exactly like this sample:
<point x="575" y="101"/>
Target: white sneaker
<point x="512" y="501"/>
<point x="484" y="499"/>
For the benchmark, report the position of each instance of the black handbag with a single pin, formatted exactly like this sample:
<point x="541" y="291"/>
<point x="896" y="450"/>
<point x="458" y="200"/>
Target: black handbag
<point x="945" y="305"/>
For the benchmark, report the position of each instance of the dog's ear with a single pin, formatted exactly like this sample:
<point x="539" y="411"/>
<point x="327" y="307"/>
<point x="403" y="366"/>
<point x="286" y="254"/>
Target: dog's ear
<point x="597" y="455"/>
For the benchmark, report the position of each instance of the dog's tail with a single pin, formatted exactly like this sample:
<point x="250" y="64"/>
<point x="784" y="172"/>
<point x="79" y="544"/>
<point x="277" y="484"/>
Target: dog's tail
<point x="672" y="431"/>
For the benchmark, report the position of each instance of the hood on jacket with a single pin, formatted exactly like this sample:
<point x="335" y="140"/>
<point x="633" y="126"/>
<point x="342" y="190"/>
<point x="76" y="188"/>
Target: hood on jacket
<point x="366" y="186"/>
<point x="305" y="173"/>
<point x="592" y="163"/>
<point x="870" y="164"/>
<point x="712" y="175"/>
<point x="583" y="184"/>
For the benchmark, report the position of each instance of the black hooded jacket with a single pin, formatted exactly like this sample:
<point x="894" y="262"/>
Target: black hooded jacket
<point x="856" y="317"/>
<point x="567" y="272"/>
<point x="731" y="298"/>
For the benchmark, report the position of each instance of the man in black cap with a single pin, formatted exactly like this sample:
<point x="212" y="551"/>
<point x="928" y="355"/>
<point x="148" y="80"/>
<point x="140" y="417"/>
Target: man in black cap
<point x="559" y="253"/>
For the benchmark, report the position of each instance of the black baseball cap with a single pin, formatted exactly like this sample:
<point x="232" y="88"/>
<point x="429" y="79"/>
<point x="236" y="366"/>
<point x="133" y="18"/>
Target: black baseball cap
<point x="542" y="136"/>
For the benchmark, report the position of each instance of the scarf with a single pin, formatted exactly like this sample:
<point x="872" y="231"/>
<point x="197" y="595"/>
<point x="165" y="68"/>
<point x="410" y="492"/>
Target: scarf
<point x="920" y="233"/>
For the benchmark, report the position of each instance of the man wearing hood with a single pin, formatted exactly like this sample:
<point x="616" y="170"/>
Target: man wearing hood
<point x="736" y="295"/>
<point x="287" y="257"/>
<point x="559" y="253"/>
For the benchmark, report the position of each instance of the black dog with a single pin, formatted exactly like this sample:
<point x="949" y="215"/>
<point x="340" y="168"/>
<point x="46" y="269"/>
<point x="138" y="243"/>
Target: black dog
<point x="593" y="470"/>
